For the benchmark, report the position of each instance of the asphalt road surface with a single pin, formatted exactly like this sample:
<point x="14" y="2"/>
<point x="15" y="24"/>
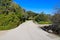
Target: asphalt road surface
<point x="27" y="31"/>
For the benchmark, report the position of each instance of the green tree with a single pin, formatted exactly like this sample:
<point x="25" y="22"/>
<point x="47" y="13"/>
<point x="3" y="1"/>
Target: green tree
<point x="41" y="17"/>
<point x="31" y="14"/>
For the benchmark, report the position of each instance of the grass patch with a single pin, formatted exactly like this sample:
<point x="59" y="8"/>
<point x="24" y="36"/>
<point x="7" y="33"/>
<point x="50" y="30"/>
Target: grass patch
<point x="45" y="22"/>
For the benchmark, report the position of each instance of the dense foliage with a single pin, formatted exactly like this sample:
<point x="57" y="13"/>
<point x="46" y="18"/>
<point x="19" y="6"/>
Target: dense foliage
<point x="10" y="14"/>
<point x="31" y="15"/>
<point x="43" y="18"/>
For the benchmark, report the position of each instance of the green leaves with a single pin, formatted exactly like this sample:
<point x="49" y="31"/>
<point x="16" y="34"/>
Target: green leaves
<point x="10" y="14"/>
<point x="42" y="17"/>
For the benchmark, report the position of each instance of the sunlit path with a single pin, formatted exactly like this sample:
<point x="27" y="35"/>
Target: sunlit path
<point x="26" y="31"/>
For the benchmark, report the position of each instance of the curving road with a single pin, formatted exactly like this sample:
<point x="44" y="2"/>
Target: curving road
<point x="27" y="31"/>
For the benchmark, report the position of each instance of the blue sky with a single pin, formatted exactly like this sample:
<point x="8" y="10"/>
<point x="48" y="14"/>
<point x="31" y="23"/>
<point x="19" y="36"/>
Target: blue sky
<point x="38" y="5"/>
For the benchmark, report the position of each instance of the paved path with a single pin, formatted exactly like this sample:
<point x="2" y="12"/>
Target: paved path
<point x="26" y="31"/>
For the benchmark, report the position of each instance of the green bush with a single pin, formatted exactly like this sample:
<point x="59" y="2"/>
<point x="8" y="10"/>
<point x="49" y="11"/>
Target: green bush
<point x="10" y="15"/>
